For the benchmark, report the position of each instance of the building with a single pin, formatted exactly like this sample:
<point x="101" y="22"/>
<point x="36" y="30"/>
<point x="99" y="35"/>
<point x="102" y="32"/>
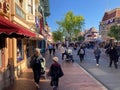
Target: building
<point x="91" y="35"/>
<point x="109" y="19"/>
<point x="20" y="32"/>
<point x="44" y="27"/>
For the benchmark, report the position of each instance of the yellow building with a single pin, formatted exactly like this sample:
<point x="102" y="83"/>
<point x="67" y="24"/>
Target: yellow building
<point x="18" y="37"/>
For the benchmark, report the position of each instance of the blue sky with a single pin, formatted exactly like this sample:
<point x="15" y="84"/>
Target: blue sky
<point x="91" y="10"/>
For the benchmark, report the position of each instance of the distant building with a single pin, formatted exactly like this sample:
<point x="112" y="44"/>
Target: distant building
<point x="109" y="19"/>
<point x="91" y="34"/>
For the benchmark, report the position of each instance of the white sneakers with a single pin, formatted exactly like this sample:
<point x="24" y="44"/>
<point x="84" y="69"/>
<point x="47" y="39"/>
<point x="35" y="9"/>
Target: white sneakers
<point x="97" y="64"/>
<point x="37" y="85"/>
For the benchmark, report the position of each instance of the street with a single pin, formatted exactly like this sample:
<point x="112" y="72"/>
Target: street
<point x="103" y="73"/>
<point x="80" y="79"/>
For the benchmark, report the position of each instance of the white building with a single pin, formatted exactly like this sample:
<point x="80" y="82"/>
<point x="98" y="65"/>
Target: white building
<point x="91" y="35"/>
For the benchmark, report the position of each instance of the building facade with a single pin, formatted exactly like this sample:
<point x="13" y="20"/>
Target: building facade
<point x="109" y="19"/>
<point x="91" y="35"/>
<point x="20" y="33"/>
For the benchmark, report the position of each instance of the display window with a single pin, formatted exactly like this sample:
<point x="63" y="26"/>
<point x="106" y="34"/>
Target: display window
<point x="2" y="45"/>
<point x="20" y="50"/>
<point x="0" y="58"/>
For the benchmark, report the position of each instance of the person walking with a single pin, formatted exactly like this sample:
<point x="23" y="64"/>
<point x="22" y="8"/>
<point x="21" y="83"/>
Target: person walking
<point x="118" y="51"/>
<point x="35" y="64"/>
<point x="54" y="48"/>
<point x="81" y="53"/>
<point x="113" y="56"/>
<point x="55" y="72"/>
<point x="97" y="53"/>
<point x="50" y="47"/>
<point x="63" y="51"/>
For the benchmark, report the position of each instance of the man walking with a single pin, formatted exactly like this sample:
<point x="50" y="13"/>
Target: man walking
<point x="97" y="53"/>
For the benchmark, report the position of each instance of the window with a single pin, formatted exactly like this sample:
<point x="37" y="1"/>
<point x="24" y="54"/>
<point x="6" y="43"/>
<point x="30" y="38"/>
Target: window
<point x="2" y="45"/>
<point x="19" y="50"/>
<point x="30" y="6"/>
<point x="0" y="58"/>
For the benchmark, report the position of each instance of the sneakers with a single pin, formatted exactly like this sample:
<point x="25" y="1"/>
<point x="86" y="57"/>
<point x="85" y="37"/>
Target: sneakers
<point x="37" y="85"/>
<point x="97" y="64"/>
<point x="54" y="87"/>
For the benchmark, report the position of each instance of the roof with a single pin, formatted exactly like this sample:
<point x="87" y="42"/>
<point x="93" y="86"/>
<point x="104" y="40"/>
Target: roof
<point x="92" y="30"/>
<point x="111" y="14"/>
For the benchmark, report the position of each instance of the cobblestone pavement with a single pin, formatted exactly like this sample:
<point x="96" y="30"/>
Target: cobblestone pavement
<point x="75" y="78"/>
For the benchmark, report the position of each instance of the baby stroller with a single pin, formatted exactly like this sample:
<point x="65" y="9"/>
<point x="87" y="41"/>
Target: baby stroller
<point x="69" y="56"/>
<point x="43" y="69"/>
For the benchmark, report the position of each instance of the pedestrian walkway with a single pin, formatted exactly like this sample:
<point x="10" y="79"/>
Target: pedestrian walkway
<point x="75" y="78"/>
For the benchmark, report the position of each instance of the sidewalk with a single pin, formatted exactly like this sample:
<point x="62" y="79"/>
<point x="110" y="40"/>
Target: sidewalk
<point x="75" y="78"/>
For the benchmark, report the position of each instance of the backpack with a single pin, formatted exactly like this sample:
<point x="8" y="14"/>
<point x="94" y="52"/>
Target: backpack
<point x="32" y="62"/>
<point x="81" y="51"/>
<point x="35" y="62"/>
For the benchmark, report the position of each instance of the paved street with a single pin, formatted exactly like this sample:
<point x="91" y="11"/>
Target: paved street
<point x="75" y="78"/>
<point x="106" y="75"/>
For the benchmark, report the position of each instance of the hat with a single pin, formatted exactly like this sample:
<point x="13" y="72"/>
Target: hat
<point x="55" y="59"/>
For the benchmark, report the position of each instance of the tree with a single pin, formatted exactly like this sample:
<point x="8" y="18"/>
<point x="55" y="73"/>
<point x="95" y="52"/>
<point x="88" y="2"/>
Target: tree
<point x="57" y="36"/>
<point x="115" y="32"/>
<point x="71" y="25"/>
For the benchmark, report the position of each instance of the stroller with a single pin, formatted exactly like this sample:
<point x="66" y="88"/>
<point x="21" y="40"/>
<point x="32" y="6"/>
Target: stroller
<point x="43" y="70"/>
<point x="69" y="56"/>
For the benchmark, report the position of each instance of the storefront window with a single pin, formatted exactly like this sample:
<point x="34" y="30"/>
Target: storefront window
<point x="33" y="45"/>
<point x="2" y="45"/>
<point x="28" y="48"/>
<point x="0" y="58"/>
<point x="19" y="50"/>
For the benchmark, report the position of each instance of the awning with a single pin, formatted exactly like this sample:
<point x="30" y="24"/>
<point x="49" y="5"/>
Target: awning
<point x="8" y="27"/>
<point x="38" y="37"/>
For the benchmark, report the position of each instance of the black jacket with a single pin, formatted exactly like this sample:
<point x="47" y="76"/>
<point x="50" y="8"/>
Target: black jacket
<point x="55" y="71"/>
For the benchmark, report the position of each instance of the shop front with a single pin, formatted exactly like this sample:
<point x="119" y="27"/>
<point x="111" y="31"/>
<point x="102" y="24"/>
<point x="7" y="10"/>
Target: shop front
<point x="13" y="50"/>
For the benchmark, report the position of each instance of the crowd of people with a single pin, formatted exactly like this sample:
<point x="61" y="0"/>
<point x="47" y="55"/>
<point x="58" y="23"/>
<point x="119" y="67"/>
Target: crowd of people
<point x="112" y="50"/>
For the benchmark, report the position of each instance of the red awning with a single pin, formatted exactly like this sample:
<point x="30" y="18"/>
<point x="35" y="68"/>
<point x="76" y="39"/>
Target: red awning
<point x="9" y="27"/>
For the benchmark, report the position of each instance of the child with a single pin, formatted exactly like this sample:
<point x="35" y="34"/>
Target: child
<point x="55" y="72"/>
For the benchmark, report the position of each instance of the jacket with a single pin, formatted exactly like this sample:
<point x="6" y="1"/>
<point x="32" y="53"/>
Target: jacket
<point x="55" y="71"/>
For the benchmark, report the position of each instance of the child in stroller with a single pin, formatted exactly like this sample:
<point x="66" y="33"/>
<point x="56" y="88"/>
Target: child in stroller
<point x="43" y="65"/>
<point x="69" y="56"/>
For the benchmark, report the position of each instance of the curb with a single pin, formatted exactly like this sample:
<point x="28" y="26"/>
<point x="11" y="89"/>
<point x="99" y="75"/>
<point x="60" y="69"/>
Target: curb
<point x="92" y="76"/>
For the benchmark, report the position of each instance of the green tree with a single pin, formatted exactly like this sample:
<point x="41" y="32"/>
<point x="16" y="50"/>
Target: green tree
<point x="57" y="36"/>
<point x="115" y="32"/>
<point x="71" y="25"/>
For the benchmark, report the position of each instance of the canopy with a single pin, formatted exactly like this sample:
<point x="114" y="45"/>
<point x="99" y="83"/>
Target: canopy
<point x="8" y="27"/>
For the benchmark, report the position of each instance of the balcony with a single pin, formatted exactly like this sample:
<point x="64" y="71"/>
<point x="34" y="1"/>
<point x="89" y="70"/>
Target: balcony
<point x="45" y="5"/>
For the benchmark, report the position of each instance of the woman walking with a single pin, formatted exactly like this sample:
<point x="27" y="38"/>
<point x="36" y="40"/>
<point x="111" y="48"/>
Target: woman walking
<point x="97" y="53"/>
<point x="35" y="64"/>
<point x="81" y="53"/>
